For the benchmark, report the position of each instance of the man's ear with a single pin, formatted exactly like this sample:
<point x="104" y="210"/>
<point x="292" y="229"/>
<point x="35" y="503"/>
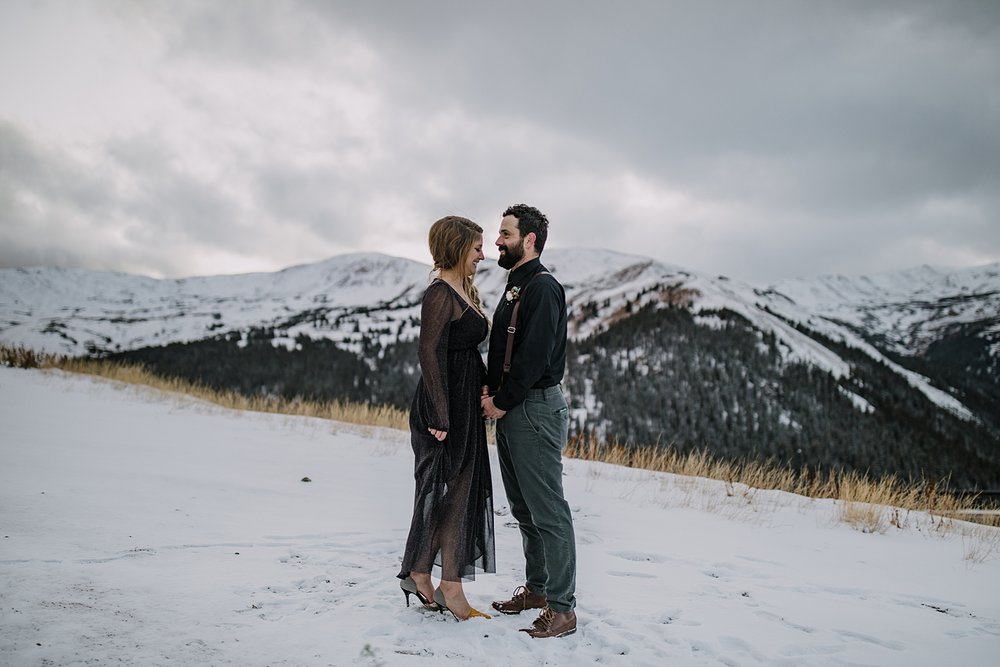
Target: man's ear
<point x="529" y="240"/>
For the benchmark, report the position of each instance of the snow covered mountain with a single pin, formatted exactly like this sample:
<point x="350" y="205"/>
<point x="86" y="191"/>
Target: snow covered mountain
<point x="752" y="355"/>
<point x="907" y="311"/>
<point x="86" y="312"/>
<point x="353" y="297"/>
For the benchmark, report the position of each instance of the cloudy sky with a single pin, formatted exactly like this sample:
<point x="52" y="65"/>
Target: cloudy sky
<point x="758" y="139"/>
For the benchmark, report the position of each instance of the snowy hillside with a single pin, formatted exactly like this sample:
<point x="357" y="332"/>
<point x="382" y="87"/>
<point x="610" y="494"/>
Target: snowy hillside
<point x="76" y="312"/>
<point x="364" y="298"/>
<point x="143" y="529"/>
<point x="907" y="310"/>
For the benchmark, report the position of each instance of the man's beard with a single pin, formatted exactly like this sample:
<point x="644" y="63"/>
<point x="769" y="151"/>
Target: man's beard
<point x="511" y="256"/>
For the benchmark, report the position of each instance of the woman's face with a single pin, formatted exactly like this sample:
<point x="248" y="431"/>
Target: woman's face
<point x="474" y="256"/>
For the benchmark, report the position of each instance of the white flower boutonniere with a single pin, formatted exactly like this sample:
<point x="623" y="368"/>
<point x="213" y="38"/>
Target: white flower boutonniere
<point x="513" y="294"/>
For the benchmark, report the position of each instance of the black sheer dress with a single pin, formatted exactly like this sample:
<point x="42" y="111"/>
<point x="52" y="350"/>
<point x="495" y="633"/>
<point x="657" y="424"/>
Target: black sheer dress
<point x="452" y="524"/>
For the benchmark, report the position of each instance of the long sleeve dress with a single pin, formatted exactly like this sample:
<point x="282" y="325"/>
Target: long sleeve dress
<point x="452" y="524"/>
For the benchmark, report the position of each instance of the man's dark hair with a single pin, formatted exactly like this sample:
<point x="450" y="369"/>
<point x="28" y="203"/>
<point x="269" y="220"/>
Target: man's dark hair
<point x="530" y="219"/>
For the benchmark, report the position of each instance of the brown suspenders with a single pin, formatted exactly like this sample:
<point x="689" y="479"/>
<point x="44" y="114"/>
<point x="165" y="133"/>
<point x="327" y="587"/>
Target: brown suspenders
<point x="513" y="326"/>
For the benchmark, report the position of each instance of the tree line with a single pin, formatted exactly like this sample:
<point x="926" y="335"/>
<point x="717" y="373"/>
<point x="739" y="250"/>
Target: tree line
<point x="664" y="378"/>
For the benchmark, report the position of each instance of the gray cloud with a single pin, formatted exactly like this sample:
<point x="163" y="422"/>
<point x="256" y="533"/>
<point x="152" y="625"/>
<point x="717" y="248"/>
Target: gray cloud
<point x="761" y="140"/>
<point x="49" y="205"/>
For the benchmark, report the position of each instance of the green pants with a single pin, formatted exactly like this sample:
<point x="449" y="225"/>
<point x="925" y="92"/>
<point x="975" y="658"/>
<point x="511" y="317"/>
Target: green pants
<point x="530" y="440"/>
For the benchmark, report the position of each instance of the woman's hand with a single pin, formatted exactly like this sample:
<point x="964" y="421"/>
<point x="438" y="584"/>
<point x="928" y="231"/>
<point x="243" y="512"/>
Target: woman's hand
<point x="440" y="435"/>
<point x="491" y="411"/>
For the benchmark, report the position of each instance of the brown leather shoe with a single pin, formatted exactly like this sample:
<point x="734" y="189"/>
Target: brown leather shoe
<point x="551" y="623"/>
<point x="522" y="599"/>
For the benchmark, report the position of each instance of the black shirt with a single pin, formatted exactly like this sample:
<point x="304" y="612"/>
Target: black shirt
<point x="539" y="357"/>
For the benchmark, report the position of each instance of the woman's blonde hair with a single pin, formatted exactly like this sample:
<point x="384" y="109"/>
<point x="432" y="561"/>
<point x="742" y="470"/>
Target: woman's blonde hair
<point x="450" y="240"/>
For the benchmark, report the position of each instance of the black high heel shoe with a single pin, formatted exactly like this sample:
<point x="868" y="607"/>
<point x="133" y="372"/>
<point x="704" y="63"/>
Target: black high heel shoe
<point x="410" y="588"/>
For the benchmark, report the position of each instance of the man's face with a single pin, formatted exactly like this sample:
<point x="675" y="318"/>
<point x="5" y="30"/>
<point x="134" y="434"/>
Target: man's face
<point x="509" y="243"/>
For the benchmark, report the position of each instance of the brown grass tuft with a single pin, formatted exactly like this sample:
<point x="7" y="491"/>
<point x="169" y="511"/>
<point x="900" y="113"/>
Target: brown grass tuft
<point x="23" y="357"/>
<point x="871" y="505"/>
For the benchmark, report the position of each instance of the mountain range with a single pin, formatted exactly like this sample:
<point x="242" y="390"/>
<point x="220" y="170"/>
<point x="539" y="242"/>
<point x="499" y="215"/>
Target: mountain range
<point x="897" y="373"/>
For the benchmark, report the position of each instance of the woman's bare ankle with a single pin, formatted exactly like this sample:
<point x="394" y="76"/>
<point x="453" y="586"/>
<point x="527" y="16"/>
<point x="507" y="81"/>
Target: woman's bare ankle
<point x="455" y="595"/>
<point x="424" y="584"/>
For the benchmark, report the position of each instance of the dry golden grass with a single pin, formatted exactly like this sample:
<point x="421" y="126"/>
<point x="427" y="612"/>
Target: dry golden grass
<point x="22" y="357"/>
<point x="979" y="542"/>
<point x="352" y="413"/>
<point x="871" y="505"/>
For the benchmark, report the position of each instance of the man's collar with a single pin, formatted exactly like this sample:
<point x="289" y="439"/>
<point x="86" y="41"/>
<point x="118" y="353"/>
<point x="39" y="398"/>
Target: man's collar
<point x="525" y="270"/>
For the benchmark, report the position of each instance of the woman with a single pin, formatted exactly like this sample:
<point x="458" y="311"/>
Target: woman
<point x="452" y="524"/>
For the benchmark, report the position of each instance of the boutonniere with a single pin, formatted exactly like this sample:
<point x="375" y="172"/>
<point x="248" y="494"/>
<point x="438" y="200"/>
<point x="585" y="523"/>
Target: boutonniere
<point x="513" y="294"/>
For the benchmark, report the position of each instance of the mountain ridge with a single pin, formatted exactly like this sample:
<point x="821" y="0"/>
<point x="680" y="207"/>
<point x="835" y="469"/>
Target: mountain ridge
<point x="857" y="373"/>
<point x="120" y="311"/>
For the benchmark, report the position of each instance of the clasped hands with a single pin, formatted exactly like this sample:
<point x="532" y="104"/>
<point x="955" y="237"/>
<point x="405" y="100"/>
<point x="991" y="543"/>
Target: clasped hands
<point x="490" y="411"/>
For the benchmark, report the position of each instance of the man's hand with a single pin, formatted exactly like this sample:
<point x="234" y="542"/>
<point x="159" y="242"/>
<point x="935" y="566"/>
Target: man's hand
<point x="491" y="411"/>
<point x="440" y="435"/>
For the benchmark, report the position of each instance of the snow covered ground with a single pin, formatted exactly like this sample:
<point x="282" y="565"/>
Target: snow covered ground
<point x="138" y="528"/>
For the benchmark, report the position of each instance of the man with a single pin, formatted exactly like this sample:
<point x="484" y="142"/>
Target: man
<point x="532" y="421"/>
